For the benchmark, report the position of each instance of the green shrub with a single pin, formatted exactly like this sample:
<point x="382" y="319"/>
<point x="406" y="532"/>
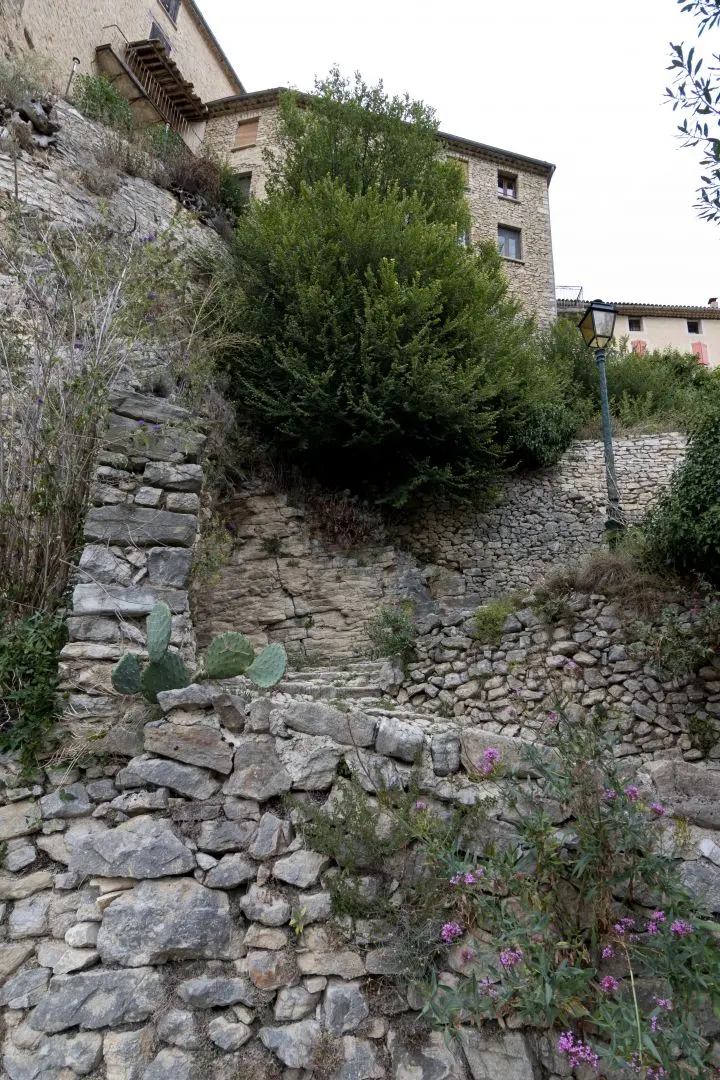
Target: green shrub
<point x="26" y="75"/>
<point x="98" y="99"/>
<point x="490" y="618"/>
<point x="29" y="702"/>
<point x="392" y="634"/>
<point x="683" y="641"/>
<point x="683" y="529"/>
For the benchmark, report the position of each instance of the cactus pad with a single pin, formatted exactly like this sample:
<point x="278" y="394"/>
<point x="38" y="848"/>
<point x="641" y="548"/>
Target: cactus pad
<point x="159" y="627"/>
<point x="169" y="673"/>
<point x="228" y="655"/>
<point x="126" y="674"/>
<point x="268" y="667"/>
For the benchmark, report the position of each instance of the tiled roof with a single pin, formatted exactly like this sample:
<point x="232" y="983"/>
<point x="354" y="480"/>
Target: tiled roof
<point x="625" y="307"/>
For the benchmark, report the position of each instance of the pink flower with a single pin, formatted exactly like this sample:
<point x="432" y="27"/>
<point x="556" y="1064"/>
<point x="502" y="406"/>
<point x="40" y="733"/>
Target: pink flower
<point x="632" y="792"/>
<point x="681" y="928"/>
<point x="510" y="957"/>
<point x="623" y="925"/>
<point x="456" y="879"/>
<point x="470" y="878"/>
<point x="658" y="916"/>
<point x="608" y="985"/>
<point x="491" y="757"/>
<point x="664" y="1003"/>
<point x="569" y="664"/>
<point x="658" y="809"/>
<point x="608" y="952"/>
<point x="420" y="805"/>
<point x="652" y="927"/>
<point x="466" y="956"/>
<point x="450" y="932"/>
<point x="578" y="1053"/>
<point x="609" y="794"/>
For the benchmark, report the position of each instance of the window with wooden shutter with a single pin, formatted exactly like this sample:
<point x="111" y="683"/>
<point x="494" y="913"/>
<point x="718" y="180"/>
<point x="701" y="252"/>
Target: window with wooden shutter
<point x="701" y="351"/>
<point x="639" y="347"/>
<point x="247" y="133"/>
<point x="507" y="185"/>
<point x="157" y="34"/>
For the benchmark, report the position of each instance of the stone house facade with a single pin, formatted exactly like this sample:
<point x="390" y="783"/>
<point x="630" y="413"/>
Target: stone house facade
<point x="508" y="193"/>
<point x="651" y="327"/>
<point x="161" y="54"/>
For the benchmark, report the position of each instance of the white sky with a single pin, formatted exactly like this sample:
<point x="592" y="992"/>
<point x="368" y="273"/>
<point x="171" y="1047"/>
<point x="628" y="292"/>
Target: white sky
<point x="576" y="82"/>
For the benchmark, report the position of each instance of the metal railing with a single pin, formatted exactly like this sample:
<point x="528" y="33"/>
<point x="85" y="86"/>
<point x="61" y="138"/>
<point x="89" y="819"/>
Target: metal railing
<point x="573" y="293"/>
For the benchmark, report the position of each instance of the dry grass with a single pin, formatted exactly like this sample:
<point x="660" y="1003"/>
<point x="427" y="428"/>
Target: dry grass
<point x="617" y="575"/>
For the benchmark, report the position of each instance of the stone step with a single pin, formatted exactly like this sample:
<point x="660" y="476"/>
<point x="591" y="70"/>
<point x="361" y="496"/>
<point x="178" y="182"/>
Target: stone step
<point x="321" y="691"/>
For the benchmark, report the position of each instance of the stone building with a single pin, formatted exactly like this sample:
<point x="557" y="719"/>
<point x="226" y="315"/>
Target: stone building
<point x="161" y="54"/>
<point x="662" y="326"/>
<point x="507" y="192"/>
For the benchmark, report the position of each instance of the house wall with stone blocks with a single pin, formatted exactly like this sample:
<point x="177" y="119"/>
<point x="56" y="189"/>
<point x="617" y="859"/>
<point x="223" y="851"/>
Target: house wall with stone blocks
<point x="61" y="31"/>
<point x="219" y="140"/>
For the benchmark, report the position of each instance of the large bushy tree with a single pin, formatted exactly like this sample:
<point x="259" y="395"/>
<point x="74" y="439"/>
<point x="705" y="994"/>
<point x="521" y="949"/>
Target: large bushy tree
<point x="381" y="353"/>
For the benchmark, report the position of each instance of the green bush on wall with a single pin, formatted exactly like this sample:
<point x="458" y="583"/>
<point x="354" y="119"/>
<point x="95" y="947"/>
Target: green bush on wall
<point x="97" y="98"/>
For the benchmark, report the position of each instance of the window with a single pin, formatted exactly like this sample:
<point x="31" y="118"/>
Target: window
<point x="694" y="326"/>
<point x="509" y="242"/>
<point x="701" y="351"/>
<point x="244" y="182"/>
<point x="507" y="185"/>
<point x="247" y="132"/>
<point x="639" y="347"/>
<point x="464" y="239"/>
<point x="156" y="34"/>
<point x="172" y="7"/>
<point x="635" y="326"/>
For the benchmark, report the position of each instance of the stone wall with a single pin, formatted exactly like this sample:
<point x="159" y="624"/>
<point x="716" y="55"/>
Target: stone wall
<point x="249" y="160"/>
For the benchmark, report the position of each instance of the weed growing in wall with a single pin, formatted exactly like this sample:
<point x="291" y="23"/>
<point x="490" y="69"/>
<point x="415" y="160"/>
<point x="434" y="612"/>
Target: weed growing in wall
<point x="490" y="618"/>
<point x="99" y="99"/>
<point x="576" y="924"/>
<point x="392" y="633"/>
<point x="684" y="640"/>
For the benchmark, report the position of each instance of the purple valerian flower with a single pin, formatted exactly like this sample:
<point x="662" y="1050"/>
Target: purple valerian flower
<point x="609" y="794"/>
<point x="491" y="757"/>
<point x="470" y="877"/>
<point x="655" y="1074"/>
<point x="681" y="928"/>
<point x="654" y="1024"/>
<point x="608" y="952"/>
<point x="466" y="956"/>
<point x="450" y="932"/>
<point x="488" y="987"/>
<point x="578" y="1053"/>
<point x="658" y="916"/>
<point x="623" y="925"/>
<point x="664" y="1003"/>
<point x="420" y="805"/>
<point x="632" y="792"/>
<point x="652" y="927"/>
<point x="658" y="809"/>
<point x="456" y="879"/>
<point x="608" y="985"/>
<point x="510" y="957"/>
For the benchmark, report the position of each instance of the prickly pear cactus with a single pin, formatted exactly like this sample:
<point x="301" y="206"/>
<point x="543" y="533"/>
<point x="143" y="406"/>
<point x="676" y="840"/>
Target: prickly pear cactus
<point x="168" y="673"/>
<point x="268" y="667"/>
<point x="126" y="674"/>
<point x="159" y="627"/>
<point x="228" y="655"/>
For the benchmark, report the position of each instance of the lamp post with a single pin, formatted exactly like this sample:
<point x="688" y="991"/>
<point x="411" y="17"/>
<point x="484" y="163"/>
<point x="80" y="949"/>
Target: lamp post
<point x="597" y="326"/>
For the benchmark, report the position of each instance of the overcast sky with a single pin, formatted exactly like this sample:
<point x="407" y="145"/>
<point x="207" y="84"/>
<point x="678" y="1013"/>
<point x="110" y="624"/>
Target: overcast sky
<point x="576" y="82"/>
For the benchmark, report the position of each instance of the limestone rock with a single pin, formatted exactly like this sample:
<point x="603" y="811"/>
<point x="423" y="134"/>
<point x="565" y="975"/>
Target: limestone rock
<point x="66" y="802"/>
<point x="169" y="566"/>
<point x="18" y="888"/>
<point x="159" y="921"/>
<point x="222" y="835"/>
<point x="311" y="762"/>
<point x="690" y="791"/>
<point x="138" y="526"/>
<point x="399" y="740"/>
<point x="99" y="565"/>
<point x="360" y="1060"/>
<point x="19" y="853"/>
<point x="80" y="1053"/>
<point x="226" y="1035"/>
<point x="185" y="779"/>
<point x="196" y="743"/>
<point x="131" y="601"/>
<point x="344" y="1007"/>
<point x="346" y="964"/>
<point x="265" y="937"/>
<point x="29" y="917"/>
<point x="231" y="871"/>
<point x="503" y="1054"/>
<point x="63" y="959"/>
<point x="127" y="1053"/>
<point x="178" y="1027"/>
<point x="214" y="992"/>
<point x="474" y="742"/>
<point x="144" y="847"/>
<point x="258" y="772"/>
<point x="19" y="819"/>
<point x="171" y="1064"/>
<point x="261" y="905"/>
<point x="25" y="989"/>
<point x="317" y="718"/>
<point x="273" y="836"/>
<point x="295" y="1003"/>
<point x="702" y="879"/>
<point x="294" y="1044"/>
<point x="432" y="1060"/>
<point x="140" y="802"/>
<point x="445" y="751"/>
<point x="97" y="999"/>
<point x="173" y="477"/>
<point x="12" y="956"/>
<point x="300" y="869"/>
<point x="270" y="970"/>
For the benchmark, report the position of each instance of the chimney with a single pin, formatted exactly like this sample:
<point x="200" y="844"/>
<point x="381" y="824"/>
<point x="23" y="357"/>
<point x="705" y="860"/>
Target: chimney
<point x="713" y="301"/>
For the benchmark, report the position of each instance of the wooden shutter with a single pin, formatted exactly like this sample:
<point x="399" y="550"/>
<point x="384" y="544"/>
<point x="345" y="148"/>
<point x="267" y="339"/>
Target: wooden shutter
<point x="247" y="133"/>
<point x="639" y="347"/>
<point x="701" y="351"/>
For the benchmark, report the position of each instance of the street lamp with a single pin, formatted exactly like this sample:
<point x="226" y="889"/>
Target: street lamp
<point x="597" y="326"/>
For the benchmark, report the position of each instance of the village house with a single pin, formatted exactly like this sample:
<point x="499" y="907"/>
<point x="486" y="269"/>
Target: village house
<point x="649" y="327"/>
<point x="162" y="56"/>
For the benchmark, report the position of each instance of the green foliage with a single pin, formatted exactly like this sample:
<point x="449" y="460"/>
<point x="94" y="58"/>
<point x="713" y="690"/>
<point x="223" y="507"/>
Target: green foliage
<point x="159" y="629"/>
<point x="392" y="633"/>
<point x="26" y="75"/>
<point x="99" y="99"/>
<point x="490" y="618"/>
<point x="696" y="89"/>
<point x="29" y="702"/>
<point x="228" y="655"/>
<point x="683" y="641"/>
<point x="683" y="528"/>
